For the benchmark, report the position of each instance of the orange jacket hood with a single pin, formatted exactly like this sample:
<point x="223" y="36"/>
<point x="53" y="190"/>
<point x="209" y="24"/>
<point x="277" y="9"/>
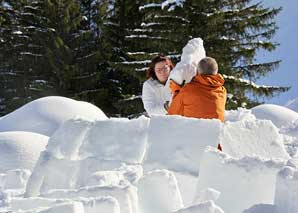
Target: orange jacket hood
<point x="203" y="97"/>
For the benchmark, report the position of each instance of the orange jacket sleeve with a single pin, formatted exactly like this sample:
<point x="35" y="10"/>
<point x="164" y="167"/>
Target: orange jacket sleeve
<point x="176" y="107"/>
<point x="175" y="88"/>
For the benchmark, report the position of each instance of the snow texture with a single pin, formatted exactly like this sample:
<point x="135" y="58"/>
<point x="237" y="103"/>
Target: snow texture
<point x="158" y="165"/>
<point x="286" y="194"/>
<point x="45" y="115"/>
<point x="181" y="148"/>
<point x="280" y="116"/>
<point x="20" y="150"/>
<point x="158" y="192"/>
<point x="253" y="138"/>
<point x="250" y="178"/>
<point x="204" y="207"/>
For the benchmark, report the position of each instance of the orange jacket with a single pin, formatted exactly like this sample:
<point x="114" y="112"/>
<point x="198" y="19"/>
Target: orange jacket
<point x="203" y="97"/>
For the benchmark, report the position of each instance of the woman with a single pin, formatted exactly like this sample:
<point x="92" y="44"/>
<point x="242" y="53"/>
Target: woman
<point x="155" y="93"/>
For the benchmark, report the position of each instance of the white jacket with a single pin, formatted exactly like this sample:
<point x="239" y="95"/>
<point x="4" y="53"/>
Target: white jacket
<point x="154" y="96"/>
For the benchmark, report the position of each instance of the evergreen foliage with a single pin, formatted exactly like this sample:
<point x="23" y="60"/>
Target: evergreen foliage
<point x="98" y="50"/>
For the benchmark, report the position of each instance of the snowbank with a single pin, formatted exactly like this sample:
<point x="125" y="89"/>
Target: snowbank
<point x="242" y="182"/>
<point x="280" y="116"/>
<point x="45" y="115"/>
<point x="20" y="150"/>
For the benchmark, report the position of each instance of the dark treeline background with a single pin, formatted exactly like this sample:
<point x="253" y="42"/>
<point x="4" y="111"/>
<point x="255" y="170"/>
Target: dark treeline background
<point x="98" y="50"/>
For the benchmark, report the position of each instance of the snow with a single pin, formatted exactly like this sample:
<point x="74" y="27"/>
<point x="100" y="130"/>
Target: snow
<point x="279" y="115"/>
<point x="45" y="115"/>
<point x="286" y="195"/>
<point x="163" y="164"/>
<point x="292" y="104"/>
<point x="253" y="138"/>
<point x="20" y="150"/>
<point x="181" y="148"/>
<point x="158" y="192"/>
<point x="204" y="207"/>
<point x="250" y="178"/>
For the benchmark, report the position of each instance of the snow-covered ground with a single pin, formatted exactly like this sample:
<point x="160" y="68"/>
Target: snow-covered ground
<point x="76" y="160"/>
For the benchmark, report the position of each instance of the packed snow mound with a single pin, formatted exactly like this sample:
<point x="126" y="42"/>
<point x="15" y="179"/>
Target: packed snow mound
<point x="45" y="115"/>
<point x="279" y="115"/>
<point x="20" y="150"/>
<point x="292" y="104"/>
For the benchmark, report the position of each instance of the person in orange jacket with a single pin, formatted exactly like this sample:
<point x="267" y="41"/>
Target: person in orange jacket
<point x="204" y="97"/>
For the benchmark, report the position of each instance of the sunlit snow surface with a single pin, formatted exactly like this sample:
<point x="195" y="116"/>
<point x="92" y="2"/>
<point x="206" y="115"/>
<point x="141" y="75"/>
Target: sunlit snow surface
<point x="161" y="164"/>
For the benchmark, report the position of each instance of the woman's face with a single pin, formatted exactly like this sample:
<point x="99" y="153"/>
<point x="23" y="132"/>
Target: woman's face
<point x="162" y="71"/>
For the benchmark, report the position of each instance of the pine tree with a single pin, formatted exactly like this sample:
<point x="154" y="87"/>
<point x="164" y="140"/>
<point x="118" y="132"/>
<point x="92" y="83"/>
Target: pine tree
<point x="233" y="32"/>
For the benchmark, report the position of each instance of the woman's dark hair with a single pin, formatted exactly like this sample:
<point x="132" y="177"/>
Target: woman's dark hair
<point x="150" y="72"/>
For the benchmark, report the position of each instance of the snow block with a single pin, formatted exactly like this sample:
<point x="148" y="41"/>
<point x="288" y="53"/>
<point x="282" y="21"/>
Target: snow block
<point x="20" y="150"/>
<point x="159" y="193"/>
<point x="52" y="173"/>
<point x="261" y="208"/>
<point x="177" y="143"/>
<point x="91" y="205"/>
<point x="205" y="207"/>
<point x="253" y="138"/>
<point x="249" y="178"/>
<point x="186" y="184"/>
<point x="71" y="207"/>
<point x="15" y="179"/>
<point x="126" y="195"/>
<point x="286" y="194"/>
<point x="118" y="140"/>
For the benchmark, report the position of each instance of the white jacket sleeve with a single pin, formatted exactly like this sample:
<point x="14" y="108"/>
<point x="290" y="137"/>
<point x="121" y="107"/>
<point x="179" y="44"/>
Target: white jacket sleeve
<point x="186" y="69"/>
<point x="150" y="101"/>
